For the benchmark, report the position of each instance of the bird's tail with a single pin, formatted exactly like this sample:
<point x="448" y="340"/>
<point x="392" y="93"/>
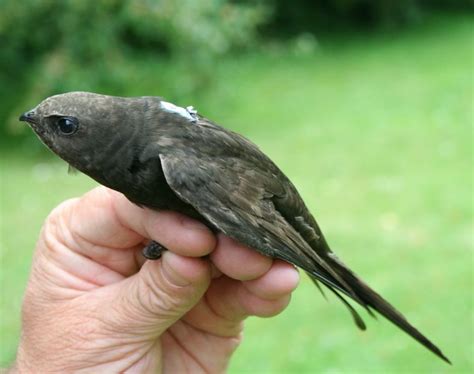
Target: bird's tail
<point x="368" y="298"/>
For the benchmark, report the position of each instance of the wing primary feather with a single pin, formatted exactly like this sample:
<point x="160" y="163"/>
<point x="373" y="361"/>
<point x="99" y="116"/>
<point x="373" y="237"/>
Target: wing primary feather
<point x="316" y="283"/>
<point x="71" y="170"/>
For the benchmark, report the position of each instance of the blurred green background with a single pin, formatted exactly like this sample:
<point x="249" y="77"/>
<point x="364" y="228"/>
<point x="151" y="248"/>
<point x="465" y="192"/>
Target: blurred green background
<point x="366" y="105"/>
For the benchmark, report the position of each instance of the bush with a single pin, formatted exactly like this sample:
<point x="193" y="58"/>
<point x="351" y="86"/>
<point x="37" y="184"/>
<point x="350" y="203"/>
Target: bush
<point x="293" y="17"/>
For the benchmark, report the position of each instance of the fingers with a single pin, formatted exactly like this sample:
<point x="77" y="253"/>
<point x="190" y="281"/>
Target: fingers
<point x="178" y="233"/>
<point x="97" y="239"/>
<point x="103" y="219"/>
<point x="238" y="261"/>
<point x="252" y="284"/>
<point x="228" y="301"/>
<point x="281" y="280"/>
<point x="265" y="296"/>
<point x="157" y="296"/>
<point x="106" y="218"/>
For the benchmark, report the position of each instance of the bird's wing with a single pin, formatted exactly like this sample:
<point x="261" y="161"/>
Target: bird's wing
<point x="241" y="200"/>
<point x="238" y="199"/>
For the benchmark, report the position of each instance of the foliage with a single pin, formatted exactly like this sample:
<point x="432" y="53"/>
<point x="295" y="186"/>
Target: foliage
<point x="322" y="16"/>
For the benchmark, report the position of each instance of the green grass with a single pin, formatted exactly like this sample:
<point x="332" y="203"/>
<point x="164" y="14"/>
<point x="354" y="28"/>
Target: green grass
<point x="376" y="133"/>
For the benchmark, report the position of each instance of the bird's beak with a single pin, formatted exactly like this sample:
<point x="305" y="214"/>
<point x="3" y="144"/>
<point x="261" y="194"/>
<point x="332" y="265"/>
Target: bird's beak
<point x="28" y="116"/>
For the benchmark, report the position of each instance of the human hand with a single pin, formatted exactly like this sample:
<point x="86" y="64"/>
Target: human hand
<point x="94" y="304"/>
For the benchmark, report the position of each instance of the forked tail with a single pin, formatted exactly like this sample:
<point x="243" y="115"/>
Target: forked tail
<point x="368" y="298"/>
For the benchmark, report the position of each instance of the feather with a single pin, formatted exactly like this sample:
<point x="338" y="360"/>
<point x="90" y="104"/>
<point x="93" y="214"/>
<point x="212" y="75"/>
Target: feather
<point x="71" y="170"/>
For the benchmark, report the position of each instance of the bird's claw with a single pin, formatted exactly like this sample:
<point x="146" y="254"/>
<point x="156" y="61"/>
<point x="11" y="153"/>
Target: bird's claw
<point x="153" y="250"/>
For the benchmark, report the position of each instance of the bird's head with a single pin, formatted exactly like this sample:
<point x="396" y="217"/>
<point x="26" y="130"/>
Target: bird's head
<point x="81" y="126"/>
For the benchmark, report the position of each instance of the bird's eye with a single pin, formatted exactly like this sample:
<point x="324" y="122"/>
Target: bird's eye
<point x="67" y="125"/>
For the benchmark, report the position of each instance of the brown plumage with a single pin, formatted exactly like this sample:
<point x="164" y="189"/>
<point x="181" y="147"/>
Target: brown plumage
<point x="165" y="157"/>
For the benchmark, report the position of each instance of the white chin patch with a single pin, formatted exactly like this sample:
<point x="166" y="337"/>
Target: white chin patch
<point x="189" y="113"/>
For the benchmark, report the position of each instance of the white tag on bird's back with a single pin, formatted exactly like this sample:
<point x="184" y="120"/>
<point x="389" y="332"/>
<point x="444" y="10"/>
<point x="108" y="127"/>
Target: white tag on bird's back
<point x="188" y="113"/>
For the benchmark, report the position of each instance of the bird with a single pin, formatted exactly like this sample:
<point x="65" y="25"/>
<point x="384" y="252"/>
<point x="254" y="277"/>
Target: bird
<point x="163" y="156"/>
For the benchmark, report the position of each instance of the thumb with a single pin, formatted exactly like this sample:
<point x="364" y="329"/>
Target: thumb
<point x="163" y="291"/>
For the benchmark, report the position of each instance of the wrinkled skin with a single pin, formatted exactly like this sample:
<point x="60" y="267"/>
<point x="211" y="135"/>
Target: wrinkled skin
<point x="94" y="304"/>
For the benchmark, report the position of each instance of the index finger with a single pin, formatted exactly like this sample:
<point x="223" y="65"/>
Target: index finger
<point x="107" y="218"/>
